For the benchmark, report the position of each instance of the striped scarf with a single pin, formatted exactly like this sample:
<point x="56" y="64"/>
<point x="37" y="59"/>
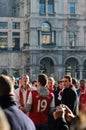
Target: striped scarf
<point x="21" y="95"/>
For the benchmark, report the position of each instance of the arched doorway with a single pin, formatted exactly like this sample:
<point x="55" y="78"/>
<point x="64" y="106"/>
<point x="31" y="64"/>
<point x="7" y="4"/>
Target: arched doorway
<point x="72" y="68"/>
<point x="84" y="70"/>
<point x="47" y="66"/>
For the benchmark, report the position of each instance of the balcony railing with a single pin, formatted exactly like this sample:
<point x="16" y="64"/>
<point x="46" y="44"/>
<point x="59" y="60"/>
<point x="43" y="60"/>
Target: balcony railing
<point x="10" y="49"/>
<point x="45" y="47"/>
<point x="49" y="45"/>
<point x="54" y="47"/>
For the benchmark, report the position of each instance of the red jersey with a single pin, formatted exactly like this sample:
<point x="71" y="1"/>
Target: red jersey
<point x="40" y="108"/>
<point x="51" y="89"/>
<point x="83" y="100"/>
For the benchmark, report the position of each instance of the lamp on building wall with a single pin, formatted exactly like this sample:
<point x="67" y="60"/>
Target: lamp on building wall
<point x="26" y="45"/>
<point x="68" y="70"/>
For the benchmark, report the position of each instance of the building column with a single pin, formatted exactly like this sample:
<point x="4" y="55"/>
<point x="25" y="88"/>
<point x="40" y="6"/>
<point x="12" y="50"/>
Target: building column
<point x="81" y="70"/>
<point x="59" y="72"/>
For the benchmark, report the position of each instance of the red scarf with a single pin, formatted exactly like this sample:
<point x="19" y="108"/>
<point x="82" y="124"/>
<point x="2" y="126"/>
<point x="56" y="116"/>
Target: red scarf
<point x="82" y="90"/>
<point x="21" y="95"/>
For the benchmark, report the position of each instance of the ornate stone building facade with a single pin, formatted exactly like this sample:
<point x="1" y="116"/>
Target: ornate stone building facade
<point x="44" y="36"/>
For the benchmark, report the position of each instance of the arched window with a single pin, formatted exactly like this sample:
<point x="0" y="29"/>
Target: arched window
<point x="84" y="69"/>
<point x="72" y="68"/>
<point x="46" y="35"/>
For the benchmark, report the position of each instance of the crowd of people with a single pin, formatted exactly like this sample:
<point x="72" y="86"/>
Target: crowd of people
<point x="43" y="104"/>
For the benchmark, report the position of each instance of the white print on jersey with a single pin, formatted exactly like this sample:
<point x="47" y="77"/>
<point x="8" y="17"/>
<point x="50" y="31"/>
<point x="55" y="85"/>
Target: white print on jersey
<point x="42" y="105"/>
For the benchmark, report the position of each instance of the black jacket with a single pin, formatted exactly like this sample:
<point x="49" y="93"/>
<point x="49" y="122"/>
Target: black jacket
<point x="62" y="124"/>
<point x="56" y="94"/>
<point x="59" y="124"/>
<point x="70" y="98"/>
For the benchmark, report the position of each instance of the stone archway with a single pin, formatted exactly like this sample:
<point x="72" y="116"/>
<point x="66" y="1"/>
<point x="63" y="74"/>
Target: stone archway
<point x="72" y="67"/>
<point x="47" y="66"/>
<point x="84" y="70"/>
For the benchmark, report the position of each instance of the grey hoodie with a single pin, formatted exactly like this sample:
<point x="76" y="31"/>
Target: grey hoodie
<point x="43" y="91"/>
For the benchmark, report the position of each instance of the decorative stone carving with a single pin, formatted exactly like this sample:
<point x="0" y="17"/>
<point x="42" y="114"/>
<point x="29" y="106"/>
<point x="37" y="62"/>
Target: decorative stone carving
<point x="73" y="27"/>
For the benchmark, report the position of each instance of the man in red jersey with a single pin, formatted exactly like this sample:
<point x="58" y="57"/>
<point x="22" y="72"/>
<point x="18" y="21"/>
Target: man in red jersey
<point x="82" y="91"/>
<point x="39" y="103"/>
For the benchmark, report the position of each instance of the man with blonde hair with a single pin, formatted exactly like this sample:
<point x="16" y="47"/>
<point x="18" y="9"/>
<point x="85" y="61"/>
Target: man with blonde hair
<point x="51" y="84"/>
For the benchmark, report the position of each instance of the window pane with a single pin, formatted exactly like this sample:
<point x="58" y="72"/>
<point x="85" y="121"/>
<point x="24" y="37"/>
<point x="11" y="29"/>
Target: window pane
<point x="3" y="39"/>
<point x="16" y="39"/>
<point x="72" y="8"/>
<point x="16" y="42"/>
<point x="50" y="6"/>
<point x="46" y="39"/>
<point x="3" y="34"/>
<point x="3" y="25"/>
<point x="16" y="34"/>
<point x="15" y="25"/>
<point x="3" y="42"/>
<point x="46" y="33"/>
<point x="42" y="6"/>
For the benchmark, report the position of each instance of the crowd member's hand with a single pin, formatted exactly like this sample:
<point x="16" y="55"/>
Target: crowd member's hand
<point x="69" y="114"/>
<point x="59" y="113"/>
<point x="62" y="111"/>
